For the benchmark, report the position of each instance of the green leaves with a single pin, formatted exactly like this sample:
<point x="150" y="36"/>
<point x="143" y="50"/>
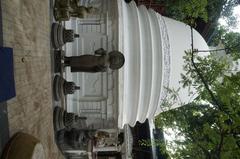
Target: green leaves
<point x="209" y="130"/>
<point x="228" y="40"/>
<point x="186" y="10"/>
<point x="211" y="124"/>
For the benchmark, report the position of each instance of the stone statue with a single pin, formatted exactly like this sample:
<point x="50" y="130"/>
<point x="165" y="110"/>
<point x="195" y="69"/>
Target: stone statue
<point x="69" y="87"/>
<point x="60" y="36"/>
<point x="64" y="120"/>
<point x="99" y="62"/>
<point x="61" y="87"/>
<point x="64" y="9"/>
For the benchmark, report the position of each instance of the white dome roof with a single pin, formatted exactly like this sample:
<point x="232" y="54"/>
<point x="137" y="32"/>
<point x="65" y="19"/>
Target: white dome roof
<point x="179" y="35"/>
<point x="153" y="47"/>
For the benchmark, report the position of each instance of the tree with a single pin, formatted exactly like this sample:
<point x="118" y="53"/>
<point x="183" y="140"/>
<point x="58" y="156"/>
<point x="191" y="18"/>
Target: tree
<point x="208" y="10"/>
<point x="205" y="13"/>
<point x="182" y="9"/>
<point x="211" y="124"/>
<point x="227" y="12"/>
<point x="228" y="38"/>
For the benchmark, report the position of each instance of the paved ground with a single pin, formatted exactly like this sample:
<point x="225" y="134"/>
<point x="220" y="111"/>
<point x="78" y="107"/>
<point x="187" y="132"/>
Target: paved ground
<point x="26" y="28"/>
<point x="4" y="133"/>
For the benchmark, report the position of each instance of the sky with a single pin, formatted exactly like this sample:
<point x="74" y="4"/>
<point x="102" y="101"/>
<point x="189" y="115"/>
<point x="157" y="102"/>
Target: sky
<point x="236" y="12"/>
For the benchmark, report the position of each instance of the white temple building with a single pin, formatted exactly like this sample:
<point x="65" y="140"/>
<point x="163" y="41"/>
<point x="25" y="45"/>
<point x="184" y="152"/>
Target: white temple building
<point x="153" y="47"/>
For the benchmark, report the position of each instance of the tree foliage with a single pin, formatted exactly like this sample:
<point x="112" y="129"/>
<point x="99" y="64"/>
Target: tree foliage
<point x="207" y="10"/>
<point x="227" y="12"/>
<point x="211" y="124"/>
<point x="229" y="39"/>
<point x="184" y="9"/>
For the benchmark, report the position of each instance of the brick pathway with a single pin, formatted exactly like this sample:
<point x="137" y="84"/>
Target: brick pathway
<point x="26" y="28"/>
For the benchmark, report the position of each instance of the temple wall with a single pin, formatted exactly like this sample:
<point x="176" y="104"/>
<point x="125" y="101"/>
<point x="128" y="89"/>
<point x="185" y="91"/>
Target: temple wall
<point x="97" y="97"/>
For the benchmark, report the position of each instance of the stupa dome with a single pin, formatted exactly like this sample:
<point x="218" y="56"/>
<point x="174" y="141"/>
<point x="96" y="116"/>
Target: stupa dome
<point x="153" y="47"/>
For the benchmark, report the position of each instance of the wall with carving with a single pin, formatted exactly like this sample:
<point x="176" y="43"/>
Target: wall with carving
<point x="97" y="97"/>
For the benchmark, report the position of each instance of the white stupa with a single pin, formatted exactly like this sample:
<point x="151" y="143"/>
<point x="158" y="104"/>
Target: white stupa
<point x="154" y="47"/>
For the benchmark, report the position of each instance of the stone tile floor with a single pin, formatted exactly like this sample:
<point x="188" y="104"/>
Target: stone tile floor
<point x="26" y="28"/>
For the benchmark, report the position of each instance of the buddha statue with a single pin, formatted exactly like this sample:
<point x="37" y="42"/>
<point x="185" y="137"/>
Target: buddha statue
<point x="64" y="9"/>
<point x="99" y="62"/>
